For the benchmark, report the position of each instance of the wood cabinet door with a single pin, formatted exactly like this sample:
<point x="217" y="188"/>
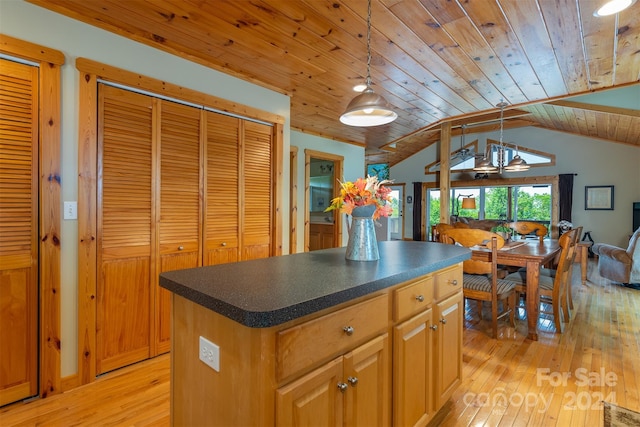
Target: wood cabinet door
<point x="413" y="401"/>
<point x="18" y="231"/>
<point x="221" y="189"/>
<point x="125" y="217"/>
<point x="179" y="205"/>
<point x="312" y="400"/>
<point x="448" y="364"/>
<point x="367" y="372"/>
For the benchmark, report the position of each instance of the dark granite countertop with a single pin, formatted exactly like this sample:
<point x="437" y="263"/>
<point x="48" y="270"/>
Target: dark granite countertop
<point x="266" y="292"/>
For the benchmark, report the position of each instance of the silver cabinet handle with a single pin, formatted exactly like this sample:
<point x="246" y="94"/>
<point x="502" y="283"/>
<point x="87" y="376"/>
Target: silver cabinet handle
<point x="420" y="298"/>
<point x="454" y="282"/>
<point x="443" y="321"/>
<point x="434" y="327"/>
<point x="342" y="387"/>
<point x="224" y="244"/>
<point x="348" y="330"/>
<point x="353" y="381"/>
<point x="180" y="248"/>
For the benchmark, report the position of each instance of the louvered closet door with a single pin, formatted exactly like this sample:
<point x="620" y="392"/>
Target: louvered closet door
<point x="221" y="221"/>
<point x="257" y="191"/>
<point x="179" y="226"/>
<point x="125" y="218"/>
<point x="18" y="231"/>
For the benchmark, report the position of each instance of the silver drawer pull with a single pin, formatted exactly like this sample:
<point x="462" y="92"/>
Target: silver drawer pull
<point x="348" y="330"/>
<point x="420" y="298"/>
<point x="224" y="244"/>
<point x="454" y="282"/>
<point x="353" y="381"/>
<point x="180" y="248"/>
<point x="434" y="327"/>
<point x="342" y="387"/>
<point x="443" y="321"/>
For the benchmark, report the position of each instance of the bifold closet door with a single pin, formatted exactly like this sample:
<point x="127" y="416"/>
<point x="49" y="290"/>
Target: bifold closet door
<point x="179" y="204"/>
<point x="222" y="229"/>
<point x="257" y="188"/>
<point x="126" y="159"/>
<point x="18" y="231"/>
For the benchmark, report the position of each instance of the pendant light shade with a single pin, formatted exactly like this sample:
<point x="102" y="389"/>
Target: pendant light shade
<point x="368" y="108"/>
<point x="612" y="7"/>
<point x="517" y="164"/>
<point x="485" y="165"/>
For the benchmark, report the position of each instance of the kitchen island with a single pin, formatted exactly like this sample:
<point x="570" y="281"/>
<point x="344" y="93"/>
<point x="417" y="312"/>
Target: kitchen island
<point x="313" y="338"/>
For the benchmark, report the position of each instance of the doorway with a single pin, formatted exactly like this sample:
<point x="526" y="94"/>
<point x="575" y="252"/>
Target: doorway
<point x="323" y="230"/>
<point x="396" y="219"/>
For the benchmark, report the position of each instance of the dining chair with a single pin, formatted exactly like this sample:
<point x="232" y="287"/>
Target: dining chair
<point x="438" y="229"/>
<point x="523" y="228"/>
<point x="552" y="287"/>
<point x="480" y="280"/>
<point x="552" y="271"/>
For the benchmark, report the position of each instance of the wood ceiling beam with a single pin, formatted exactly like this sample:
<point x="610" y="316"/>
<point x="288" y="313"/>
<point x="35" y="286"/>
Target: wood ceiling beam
<point x="596" y="108"/>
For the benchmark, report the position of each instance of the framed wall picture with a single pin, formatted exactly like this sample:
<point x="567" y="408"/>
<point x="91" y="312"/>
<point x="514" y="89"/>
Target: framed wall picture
<point x="598" y="197"/>
<point x="381" y="170"/>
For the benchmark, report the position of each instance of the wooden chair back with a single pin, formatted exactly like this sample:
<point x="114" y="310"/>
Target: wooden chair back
<point x="470" y="237"/>
<point x="527" y="227"/>
<point x="568" y="243"/>
<point x="438" y="229"/>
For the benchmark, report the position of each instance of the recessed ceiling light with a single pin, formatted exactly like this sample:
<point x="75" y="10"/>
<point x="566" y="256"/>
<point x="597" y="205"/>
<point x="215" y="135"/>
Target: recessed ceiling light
<point x="359" y="88"/>
<point x="613" y="7"/>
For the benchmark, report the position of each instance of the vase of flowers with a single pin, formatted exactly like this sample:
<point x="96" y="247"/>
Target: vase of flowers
<point x="365" y="200"/>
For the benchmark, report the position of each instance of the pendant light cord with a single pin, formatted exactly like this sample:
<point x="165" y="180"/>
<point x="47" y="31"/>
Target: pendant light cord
<point x="369" y="43"/>
<point x="501" y="120"/>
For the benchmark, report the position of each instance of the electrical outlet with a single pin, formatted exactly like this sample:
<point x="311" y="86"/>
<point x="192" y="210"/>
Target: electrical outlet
<point x="210" y="353"/>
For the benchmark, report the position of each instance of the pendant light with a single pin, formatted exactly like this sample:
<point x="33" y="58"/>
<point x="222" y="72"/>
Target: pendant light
<point x="516" y="164"/>
<point x="612" y="7"/>
<point x="368" y="108"/>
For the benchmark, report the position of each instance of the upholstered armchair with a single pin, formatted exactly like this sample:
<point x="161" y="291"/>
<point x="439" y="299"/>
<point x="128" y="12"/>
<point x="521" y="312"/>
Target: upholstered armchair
<point x="618" y="264"/>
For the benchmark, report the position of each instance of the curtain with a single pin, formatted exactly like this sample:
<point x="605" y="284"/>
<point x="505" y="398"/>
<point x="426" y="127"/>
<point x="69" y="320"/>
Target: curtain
<point x="565" y="188"/>
<point x="417" y="210"/>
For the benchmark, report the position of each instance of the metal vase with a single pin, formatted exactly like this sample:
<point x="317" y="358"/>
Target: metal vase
<point x="363" y="245"/>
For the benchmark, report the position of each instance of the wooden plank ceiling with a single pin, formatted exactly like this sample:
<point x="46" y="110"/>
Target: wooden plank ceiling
<point x="433" y="60"/>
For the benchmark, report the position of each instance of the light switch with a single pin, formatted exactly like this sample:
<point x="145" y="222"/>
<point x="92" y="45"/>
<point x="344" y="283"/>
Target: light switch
<point x="70" y="210"/>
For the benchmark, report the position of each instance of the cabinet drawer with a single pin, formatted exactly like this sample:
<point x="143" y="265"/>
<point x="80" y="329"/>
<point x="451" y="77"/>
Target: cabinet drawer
<point x="304" y="345"/>
<point x="448" y="281"/>
<point x="412" y="298"/>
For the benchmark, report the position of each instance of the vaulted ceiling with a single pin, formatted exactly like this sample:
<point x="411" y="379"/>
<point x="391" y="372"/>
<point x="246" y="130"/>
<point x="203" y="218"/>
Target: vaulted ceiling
<point x="433" y="60"/>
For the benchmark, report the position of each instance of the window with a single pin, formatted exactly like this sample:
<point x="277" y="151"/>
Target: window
<point x="499" y="202"/>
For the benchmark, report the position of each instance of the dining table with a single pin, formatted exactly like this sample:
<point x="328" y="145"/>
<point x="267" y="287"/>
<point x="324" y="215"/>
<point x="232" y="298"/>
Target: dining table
<point x="533" y="255"/>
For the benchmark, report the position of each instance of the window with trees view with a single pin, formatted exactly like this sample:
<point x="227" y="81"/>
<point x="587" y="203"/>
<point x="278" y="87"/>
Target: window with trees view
<point x="507" y="203"/>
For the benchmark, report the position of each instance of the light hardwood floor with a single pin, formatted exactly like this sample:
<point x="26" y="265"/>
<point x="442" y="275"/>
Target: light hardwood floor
<point x="559" y="380"/>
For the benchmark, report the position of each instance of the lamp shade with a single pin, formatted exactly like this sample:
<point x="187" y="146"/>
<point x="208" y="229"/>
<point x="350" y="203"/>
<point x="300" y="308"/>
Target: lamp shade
<point x="468" y="203"/>
<point x="368" y="109"/>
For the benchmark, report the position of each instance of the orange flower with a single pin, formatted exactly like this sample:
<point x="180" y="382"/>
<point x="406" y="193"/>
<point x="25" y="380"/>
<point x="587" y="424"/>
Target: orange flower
<point x="363" y="192"/>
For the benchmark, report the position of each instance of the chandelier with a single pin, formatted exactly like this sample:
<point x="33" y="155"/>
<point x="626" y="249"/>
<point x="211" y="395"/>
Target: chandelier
<point x="516" y="164"/>
<point x="368" y="108"/>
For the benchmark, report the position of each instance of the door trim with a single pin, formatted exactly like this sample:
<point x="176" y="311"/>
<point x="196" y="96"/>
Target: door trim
<point x="49" y="125"/>
<point x="338" y="166"/>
